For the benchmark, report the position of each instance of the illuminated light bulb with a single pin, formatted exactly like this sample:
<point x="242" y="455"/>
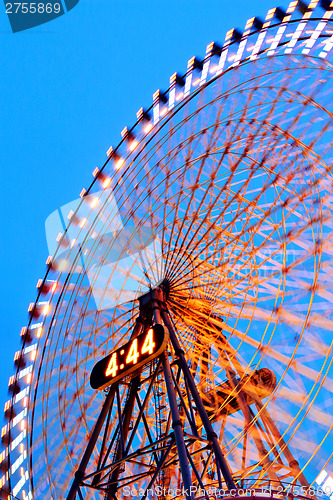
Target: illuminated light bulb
<point x="33" y="355"/>
<point x="25" y="401"/>
<point x="133" y="145"/>
<point x="22" y="471"/>
<point x="179" y="96"/>
<point x="54" y="287"/>
<point x="70" y="215"/>
<point x="148" y="128"/>
<point x="46" y="309"/>
<point x="63" y="265"/>
<point x="58" y="238"/>
<point x="163" y="111"/>
<point x="82" y="223"/>
<point x="119" y="163"/>
<point x="39" y="332"/>
<point x="93" y="202"/>
<point x="73" y="242"/>
<point x="196" y="82"/>
<point x="83" y="192"/>
<point x="22" y="425"/>
<point x="213" y="68"/>
<point x="21" y="448"/>
<point x="250" y="48"/>
<point x="24" y="496"/>
<point x="29" y="377"/>
<point x="231" y="58"/>
<point x="106" y="182"/>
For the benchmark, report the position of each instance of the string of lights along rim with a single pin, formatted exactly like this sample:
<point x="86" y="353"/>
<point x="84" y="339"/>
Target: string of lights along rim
<point x="180" y="344"/>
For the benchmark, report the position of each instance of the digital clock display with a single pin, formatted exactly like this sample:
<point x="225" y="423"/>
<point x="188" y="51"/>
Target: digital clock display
<point x="129" y="357"/>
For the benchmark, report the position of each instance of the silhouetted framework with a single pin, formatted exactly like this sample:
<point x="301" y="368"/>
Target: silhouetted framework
<point x="198" y="453"/>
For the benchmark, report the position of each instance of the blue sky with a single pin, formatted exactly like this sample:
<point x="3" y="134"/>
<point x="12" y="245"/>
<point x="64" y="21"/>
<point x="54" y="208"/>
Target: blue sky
<point x="67" y="90"/>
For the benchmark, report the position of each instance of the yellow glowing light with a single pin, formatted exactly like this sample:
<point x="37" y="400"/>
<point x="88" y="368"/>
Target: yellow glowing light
<point x="270" y="13"/>
<point x="46" y="309"/>
<point x="25" y="401"/>
<point x="29" y="377"/>
<point x="190" y="62"/>
<point x="106" y="182"/>
<point x="22" y="471"/>
<point x="196" y="82"/>
<point x="21" y="448"/>
<point x="22" y="425"/>
<point x="163" y="112"/>
<point x="133" y="145"/>
<point x="39" y="332"/>
<point x="109" y="151"/>
<point x="249" y="23"/>
<point x="148" y="128"/>
<point x="33" y="355"/>
<point x="119" y="163"/>
<point x="179" y="96"/>
<point x="292" y="7"/>
<point x="70" y="215"/>
<point x="93" y="202"/>
<point x="83" y="192"/>
<point x="54" y="287"/>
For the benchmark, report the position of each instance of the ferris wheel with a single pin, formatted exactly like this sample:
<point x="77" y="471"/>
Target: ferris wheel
<point x="180" y="345"/>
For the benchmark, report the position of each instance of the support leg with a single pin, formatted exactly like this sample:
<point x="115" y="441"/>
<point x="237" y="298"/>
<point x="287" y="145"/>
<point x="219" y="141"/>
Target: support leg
<point x="79" y="474"/>
<point x="177" y="427"/>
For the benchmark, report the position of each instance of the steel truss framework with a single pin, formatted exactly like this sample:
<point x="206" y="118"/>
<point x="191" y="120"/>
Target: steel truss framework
<point x="198" y="453"/>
